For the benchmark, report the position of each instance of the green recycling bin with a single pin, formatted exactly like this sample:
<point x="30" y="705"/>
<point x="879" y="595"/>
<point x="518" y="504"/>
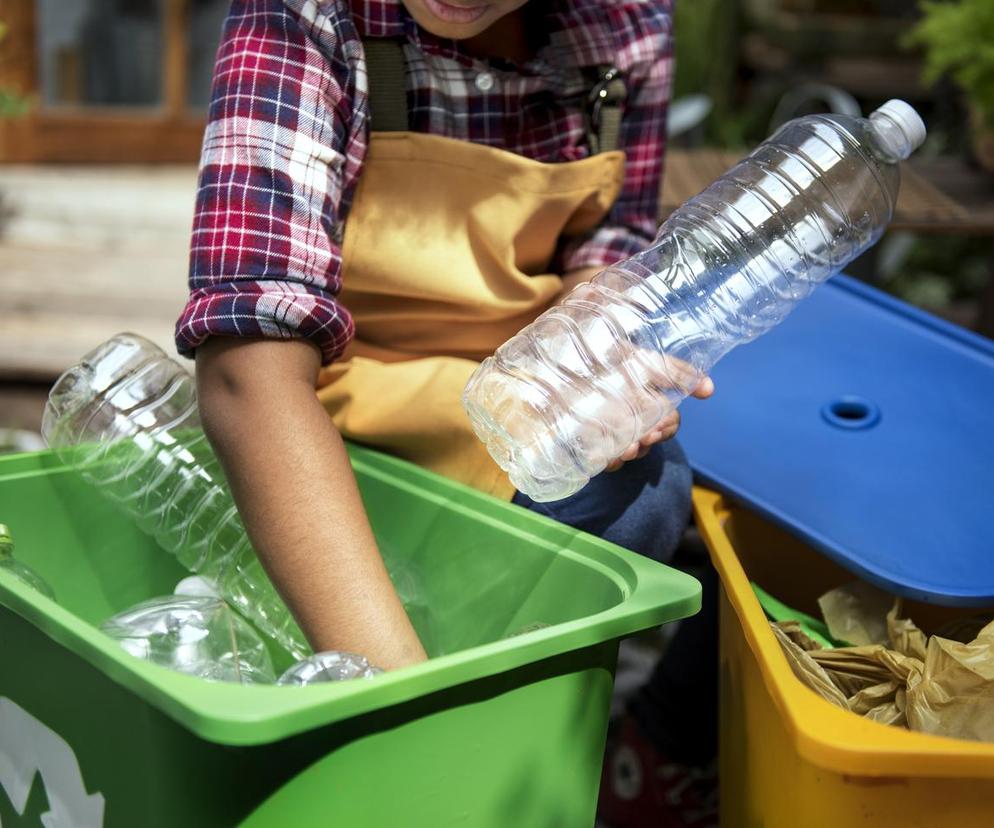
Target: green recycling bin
<point x="497" y="729"/>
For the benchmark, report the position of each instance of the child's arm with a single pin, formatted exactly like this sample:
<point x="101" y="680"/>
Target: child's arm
<point x="265" y="271"/>
<point x="297" y="496"/>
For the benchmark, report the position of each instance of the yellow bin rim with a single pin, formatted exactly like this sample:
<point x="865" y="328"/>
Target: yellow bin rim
<point x="823" y="734"/>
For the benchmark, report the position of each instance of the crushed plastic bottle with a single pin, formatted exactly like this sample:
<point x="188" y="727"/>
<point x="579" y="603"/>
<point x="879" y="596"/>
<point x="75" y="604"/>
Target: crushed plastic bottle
<point x="330" y="665"/>
<point x="126" y="417"/>
<point x="569" y="393"/>
<point x="20" y="570"/>
<point x="196" y="635"/>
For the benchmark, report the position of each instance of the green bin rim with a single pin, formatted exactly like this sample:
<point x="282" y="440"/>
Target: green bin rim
<point x="233" y="714"/>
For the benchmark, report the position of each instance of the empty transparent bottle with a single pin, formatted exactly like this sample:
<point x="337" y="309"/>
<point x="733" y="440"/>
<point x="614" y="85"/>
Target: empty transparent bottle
<point x="127" y="418"/>
<point x="569" y="393"/>
<point x="198" y="635"/>
<point x="330" y="665"/>
<point x="20" y="570"/>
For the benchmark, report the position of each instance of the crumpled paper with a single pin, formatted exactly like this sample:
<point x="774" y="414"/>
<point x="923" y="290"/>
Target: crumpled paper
<point x="933" y="685"/>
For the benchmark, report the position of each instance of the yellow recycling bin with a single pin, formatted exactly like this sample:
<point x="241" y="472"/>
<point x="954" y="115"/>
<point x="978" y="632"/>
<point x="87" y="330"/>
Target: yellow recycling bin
<point x="790" y="759"/>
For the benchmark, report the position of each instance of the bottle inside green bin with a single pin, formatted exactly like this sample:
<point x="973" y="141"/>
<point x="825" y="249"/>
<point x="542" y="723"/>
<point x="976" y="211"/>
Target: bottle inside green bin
<point x="20" y="570"/>
<point x="328" y="666"/>
<point x="126" y="417"/>
<point x="199" y="635"/>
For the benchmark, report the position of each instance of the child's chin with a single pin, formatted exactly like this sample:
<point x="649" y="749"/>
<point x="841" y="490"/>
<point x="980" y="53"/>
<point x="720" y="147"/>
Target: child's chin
<point x="444" y="28"/>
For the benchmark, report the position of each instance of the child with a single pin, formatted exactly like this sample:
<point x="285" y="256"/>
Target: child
<point x="388" y="191"/>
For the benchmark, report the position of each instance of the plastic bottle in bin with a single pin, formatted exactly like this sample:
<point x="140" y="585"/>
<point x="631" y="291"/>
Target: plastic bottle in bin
<point x="20" y="570"/>
<point x="569" y="393"/>
<point x="126" y="417"/>
<point x="331" y="665"/>
<point x="199" y="635"/>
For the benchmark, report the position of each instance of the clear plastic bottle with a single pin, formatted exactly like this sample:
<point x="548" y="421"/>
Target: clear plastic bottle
<point x="330" y="665"/>
<point x="558" y="401"/>
<point x="20" y="570"/>
<point x="126" y="417"/>
<point x="199" y="635"/>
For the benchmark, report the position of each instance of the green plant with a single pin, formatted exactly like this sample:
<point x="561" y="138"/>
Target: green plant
<point x="958" y="39"/>
<point x="11" y="104"/>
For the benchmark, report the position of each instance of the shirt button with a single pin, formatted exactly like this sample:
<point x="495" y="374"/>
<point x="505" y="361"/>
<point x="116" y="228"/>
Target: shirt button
<point x="484" y="81"/>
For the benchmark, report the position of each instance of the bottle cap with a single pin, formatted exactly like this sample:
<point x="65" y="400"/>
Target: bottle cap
<point x="904" y="115"/>
<point x="5" y="536"/>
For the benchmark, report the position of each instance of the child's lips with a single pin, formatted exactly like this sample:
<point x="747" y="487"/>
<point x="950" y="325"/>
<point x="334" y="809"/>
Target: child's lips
<point x="455" y="14"/>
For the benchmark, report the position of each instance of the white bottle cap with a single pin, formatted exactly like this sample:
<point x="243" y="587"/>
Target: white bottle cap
<point x="197" y="587"/>
<point x="910" y="122"/>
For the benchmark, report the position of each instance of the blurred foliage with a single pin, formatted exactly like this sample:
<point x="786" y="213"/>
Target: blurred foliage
<point x="958" y="39"/>
<point x="707" y="33"/>
<point x="935" y="272"/>
<point x="12" y="105"/>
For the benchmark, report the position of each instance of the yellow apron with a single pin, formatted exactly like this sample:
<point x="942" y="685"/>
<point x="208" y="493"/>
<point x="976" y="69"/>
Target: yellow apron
<point x="444" y="258"/>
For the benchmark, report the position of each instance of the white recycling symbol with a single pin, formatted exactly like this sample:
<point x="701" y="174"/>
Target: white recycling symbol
<point x="27" y="747"/>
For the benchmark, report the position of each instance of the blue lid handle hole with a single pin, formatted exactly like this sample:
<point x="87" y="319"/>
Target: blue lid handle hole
<point x="851" y="413"/>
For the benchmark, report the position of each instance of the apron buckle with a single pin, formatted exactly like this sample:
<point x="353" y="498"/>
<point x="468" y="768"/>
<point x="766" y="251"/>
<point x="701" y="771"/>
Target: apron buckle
<point x="608" y="91"/>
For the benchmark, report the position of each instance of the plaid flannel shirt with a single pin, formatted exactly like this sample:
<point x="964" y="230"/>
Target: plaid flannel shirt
<point x="288" y="129"/>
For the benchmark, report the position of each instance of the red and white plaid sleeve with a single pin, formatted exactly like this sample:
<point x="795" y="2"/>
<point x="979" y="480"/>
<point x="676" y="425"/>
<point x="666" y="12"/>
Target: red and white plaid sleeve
<point x="265" y="254"/>
<point x="645" y="58"/>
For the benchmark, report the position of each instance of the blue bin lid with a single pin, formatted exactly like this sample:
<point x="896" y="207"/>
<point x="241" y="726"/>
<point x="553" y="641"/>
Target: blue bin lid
<point x="866" y="427"/>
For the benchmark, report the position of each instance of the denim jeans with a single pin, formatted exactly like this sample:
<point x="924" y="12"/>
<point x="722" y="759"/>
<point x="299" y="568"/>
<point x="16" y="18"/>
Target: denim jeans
<point x="645" y="507"/>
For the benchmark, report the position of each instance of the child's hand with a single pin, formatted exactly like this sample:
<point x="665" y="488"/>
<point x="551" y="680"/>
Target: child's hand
<point x="665" y="429"/>
<point x="663" y="370"/>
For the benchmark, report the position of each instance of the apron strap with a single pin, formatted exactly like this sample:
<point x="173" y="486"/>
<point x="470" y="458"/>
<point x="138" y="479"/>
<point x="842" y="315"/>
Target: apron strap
<point x="386" y="67"/>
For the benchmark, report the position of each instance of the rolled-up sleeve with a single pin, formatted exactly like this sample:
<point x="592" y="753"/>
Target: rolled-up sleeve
<point x="265" y="257"/>
<point x="646" y="61"/>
